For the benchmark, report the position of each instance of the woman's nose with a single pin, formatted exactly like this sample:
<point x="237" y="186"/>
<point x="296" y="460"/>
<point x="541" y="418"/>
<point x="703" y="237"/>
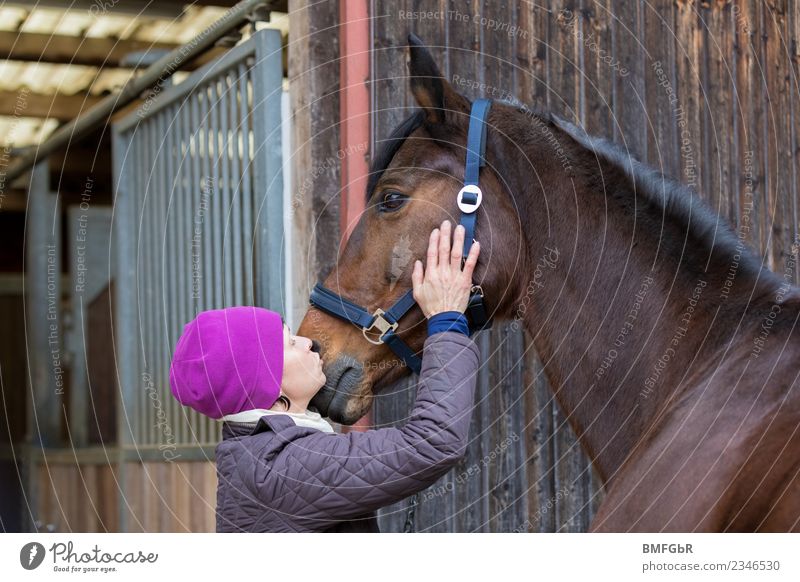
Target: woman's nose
<point x="314" y="346"/>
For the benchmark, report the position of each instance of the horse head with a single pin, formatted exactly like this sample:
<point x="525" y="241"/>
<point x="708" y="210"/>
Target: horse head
<point x="413" y="185"/>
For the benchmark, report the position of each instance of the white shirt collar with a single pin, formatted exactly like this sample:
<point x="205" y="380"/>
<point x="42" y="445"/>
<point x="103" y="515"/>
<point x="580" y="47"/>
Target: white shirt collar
<point x="307" y="418"/>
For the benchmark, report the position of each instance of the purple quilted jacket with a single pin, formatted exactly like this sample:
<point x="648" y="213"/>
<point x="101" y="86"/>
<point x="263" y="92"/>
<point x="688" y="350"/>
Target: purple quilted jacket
<point x="275" y="476"/>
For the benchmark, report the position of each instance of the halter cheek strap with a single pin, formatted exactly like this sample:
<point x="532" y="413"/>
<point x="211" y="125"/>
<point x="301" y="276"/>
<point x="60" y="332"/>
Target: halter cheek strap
<point x="470" y="196"/>
<point x="385" y="323"/>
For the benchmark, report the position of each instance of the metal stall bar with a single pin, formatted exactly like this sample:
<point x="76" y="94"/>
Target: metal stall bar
<point x="246" y="193"/>
<point x="42" y="288"/>
<point x="268" y="172"/>
<point x="236" y="192"/>
<point x="126" y="349"/>
<point x="224" y="161"/>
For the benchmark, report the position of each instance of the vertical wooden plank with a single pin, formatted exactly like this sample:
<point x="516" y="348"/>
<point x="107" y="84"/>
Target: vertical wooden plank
<point x="389" y="78"/>
<point x="165" y="495"/>
<point x="55" y="514"/>
<point x="660" y="87"/>
<point x="629" y="91"/>
<point x="210" y="489"/>
<point x="540" y="443"/>
<point x="564" y="59"/>
<point x="594" y="20"/>
<point x="44" y="512"/>
<point x="66" y="491"/>
<point x="195" y="473"/>
<point x="70" y="496"/>
<point x="184" y="494"/>
<point x="746" y="131"/>
<point x="722" y="162"/>
<point x="530" y="76"/>
<point x="779" y="146"/>
<point x="145" y="497"/>
<point x="508" y="482"/>
<point x="792" y="39"/>
<point x="689" y="47"/>
<point x="707" y="187"/>
<point x="313" y="87"/>
<point x="91" y="509"/>
<point x="108" y="493"/>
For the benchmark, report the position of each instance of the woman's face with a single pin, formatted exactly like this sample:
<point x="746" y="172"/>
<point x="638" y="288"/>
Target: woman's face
<point x="302" y="367"/>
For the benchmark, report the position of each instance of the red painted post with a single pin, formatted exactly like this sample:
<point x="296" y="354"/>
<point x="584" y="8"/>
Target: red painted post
<point x="354" y="115"/>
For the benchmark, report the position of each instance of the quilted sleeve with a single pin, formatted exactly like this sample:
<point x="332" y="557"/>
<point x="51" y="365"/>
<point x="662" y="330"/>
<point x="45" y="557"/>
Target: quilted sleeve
<point x="344" y="475"/>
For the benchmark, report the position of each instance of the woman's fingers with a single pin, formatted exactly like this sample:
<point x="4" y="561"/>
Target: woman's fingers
<point x="458" y="247"/>
<point x="416" y="278"/>
<point x="472" y="260"/>
<point x="444" y="244"/>
<point x="433" y="249"/>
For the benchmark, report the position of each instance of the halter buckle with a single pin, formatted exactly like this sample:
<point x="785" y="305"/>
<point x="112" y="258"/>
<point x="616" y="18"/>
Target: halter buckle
<point x="465" y="207"/>
<point x="478" y="288"/>
<point x="381" y="323"/>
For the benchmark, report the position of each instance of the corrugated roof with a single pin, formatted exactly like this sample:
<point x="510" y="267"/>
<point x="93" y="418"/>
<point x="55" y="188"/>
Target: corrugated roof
<point x="72" y="79"/>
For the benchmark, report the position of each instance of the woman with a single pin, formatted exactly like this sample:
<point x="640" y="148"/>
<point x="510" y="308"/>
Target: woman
<point x="281" y="467"/>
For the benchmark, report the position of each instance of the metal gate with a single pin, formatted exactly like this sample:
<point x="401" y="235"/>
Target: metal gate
<point x="198" y="224"/>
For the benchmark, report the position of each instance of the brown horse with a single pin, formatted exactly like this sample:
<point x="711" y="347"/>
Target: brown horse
<point x="671" y="350"/>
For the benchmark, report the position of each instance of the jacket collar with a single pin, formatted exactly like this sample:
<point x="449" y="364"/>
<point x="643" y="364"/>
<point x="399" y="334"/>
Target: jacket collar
<point x="307" y="418"/>
<point x="276" y="422"/>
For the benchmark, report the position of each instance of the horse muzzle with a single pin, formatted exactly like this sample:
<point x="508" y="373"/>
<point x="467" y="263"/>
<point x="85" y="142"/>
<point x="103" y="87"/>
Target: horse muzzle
<point x="336" y="399"/>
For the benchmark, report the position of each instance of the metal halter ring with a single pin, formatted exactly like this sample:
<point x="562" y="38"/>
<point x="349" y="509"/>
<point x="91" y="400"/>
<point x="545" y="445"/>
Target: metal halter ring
<point x="381" y="323"/>
<point x="469" y="208"/>
<point x="479" y="288"/>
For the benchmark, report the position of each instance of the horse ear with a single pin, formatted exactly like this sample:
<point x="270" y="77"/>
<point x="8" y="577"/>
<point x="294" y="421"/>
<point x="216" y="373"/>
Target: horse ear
<point x="432" y="91"/>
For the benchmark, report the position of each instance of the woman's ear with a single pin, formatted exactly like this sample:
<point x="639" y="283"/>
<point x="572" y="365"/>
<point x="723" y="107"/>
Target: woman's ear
<point x="437" y="98"/>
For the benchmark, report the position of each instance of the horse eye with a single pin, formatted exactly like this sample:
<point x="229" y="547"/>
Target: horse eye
<point x="392" y="200"/>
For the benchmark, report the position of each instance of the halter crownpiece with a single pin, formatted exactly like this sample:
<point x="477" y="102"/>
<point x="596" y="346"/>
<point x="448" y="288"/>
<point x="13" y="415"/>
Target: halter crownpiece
<point x="385" y="323"/>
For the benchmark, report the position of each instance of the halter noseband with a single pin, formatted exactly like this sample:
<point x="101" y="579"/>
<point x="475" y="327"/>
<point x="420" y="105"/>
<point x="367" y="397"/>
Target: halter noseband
<point x="385" y="322"/>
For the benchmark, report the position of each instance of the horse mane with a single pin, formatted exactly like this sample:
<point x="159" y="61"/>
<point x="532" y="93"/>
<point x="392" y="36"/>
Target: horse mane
<point x="676" y="200"/>
<point x="680" y="203"/>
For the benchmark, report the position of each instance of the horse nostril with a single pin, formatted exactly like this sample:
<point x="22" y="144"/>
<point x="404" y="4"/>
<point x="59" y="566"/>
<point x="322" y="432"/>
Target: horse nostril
<point x="343" y="376"/>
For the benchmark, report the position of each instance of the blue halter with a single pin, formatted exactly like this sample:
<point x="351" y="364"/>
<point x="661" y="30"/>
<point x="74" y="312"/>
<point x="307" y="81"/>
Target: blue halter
<point x="386" y="322"/>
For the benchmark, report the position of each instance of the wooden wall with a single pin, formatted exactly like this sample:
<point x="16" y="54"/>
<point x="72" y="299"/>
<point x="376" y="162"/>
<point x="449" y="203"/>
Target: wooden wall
<point x="727" y="69"/>
<point x="177" y="496"/>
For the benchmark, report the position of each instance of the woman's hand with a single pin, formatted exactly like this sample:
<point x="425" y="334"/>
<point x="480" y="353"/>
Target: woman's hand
<point x="444" y="286"/>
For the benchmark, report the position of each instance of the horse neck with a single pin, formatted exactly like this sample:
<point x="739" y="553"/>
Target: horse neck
<point x="619" y="321"/>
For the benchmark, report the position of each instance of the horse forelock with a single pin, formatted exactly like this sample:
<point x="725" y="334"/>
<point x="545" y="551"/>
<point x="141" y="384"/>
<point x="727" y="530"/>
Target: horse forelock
<point x="389" y="147"/>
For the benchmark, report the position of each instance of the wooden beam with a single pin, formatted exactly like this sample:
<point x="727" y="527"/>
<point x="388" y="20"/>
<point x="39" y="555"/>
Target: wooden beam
<point x="76" y="50"/>
<point x="58" y="106"/>
<point x="13" y="201"/>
